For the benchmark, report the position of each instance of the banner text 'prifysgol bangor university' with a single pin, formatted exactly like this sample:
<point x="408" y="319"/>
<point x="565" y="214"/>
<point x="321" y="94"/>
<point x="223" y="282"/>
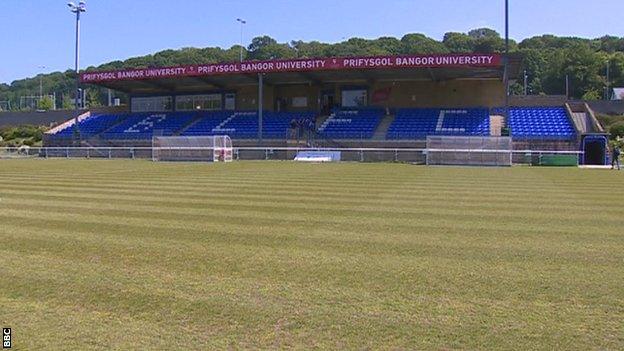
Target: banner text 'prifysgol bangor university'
<point x="299" y="65"/>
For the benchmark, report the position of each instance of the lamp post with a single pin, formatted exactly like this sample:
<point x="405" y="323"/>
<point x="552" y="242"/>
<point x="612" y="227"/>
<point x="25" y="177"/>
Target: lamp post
<point x="526" y="78"/>
<point x="242" y="22"/>
<point x="607" y="90"/>
<point x="77" y="9"/>
<point x="41" y="81"/>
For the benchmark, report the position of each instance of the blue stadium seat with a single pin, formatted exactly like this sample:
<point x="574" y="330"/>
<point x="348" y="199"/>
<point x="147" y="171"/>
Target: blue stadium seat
<point x="244" y="124"/>
<point x="419" y="123"/>
<point x="548" y="123"/>
<point x="351" y="123"/>
<point x="146" y="125"/>
<point x="93" y="125"/>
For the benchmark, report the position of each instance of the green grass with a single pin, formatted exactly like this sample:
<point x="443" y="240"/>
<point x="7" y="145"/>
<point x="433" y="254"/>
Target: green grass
<point x="140" y="255"/>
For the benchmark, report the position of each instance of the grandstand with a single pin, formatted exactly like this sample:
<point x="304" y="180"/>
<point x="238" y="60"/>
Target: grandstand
<point x="392" y="102"/>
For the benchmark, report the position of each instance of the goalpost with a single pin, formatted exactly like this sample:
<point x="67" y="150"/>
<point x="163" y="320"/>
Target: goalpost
<point x="217" y="148"/>
<point x="469" y="151"/>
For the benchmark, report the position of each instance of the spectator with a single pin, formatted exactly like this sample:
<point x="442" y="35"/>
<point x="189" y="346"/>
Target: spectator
<point x="615" y="157"/>
<point x="293" y="128"/>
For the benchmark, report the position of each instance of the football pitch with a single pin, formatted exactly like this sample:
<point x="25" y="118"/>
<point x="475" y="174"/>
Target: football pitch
<point x="99" y="254"/>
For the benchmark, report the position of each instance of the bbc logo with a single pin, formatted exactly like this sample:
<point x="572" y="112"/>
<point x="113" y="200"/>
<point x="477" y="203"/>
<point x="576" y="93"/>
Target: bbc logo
<point x="6" y="338"/>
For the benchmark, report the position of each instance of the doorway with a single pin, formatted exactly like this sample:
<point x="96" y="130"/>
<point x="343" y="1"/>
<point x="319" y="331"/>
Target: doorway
<point x="327" y="102"/>
<point x="595" y="148"/>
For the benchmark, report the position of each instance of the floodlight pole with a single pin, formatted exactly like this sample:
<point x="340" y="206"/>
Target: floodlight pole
<point x="242" y="22"/>
<point x="506" y="74"/>
<point x="260" y="104"/>
<point x="41" y="82"/>
<point x="567" y="86"/>
<point x="525" y="82"/>
<point x="77" y="9"/>
<point x="608" y="92"/>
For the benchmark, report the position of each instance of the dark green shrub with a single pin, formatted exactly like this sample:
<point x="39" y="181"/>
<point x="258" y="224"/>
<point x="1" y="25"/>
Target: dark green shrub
<point x="617" y="130"/>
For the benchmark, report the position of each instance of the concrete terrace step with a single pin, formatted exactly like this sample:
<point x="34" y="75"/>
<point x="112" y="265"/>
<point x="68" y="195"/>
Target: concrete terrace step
<point x="192" y="123"/>
<point x="121" y="120"/>
<point x="320" y="121"/>
<point x="382" y="128"/>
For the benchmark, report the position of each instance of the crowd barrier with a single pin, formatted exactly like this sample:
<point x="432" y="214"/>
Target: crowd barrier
<point x="408" y="155"/>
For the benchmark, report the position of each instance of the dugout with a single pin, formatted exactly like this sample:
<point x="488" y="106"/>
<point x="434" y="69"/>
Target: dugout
<point x="595" y="148"/>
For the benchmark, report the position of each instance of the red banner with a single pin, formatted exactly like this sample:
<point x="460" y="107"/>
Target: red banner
<point x="299" y="65"/>
<point x="382" y="95"/>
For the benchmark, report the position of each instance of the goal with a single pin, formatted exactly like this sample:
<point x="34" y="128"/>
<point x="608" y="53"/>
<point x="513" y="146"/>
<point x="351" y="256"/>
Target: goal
<point x="216" y="148"/>
<point x="469" y="151"/>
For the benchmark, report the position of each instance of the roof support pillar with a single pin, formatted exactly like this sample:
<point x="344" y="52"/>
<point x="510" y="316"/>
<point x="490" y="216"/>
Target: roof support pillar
<point x="260" y="103"/>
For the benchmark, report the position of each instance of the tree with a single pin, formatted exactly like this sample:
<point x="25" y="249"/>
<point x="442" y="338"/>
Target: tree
<point x="311" y="49"/>
<point x="483" y="33"/>
<point x="92" y="98"/>
<point x="591" y="95"/>
<point x="459" y="42"/>
<point x="617" y="130"/>
<point x="267" y="48"/>
<point x="68" y="104"/>
<point x="45" y="103"/>
<point x="258" y="43"/>
<point x="421" y="44"/>
<point x="581" y="64"/>
<point x="534" y="62"/>
<point x="547" y="59"/>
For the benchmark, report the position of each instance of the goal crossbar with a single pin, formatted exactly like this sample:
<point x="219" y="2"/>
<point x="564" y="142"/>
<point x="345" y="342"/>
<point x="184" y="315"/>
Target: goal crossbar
<point x="216" y="148"/>
<point x="469" y="151"/>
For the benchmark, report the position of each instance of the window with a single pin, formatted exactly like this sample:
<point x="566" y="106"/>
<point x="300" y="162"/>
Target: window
<point x="152" y="104"/>
<point x="230" y="102"/>
<point x="198" y="102"/>
<point x="354" y="98"/>
<point x="300" y="101"/>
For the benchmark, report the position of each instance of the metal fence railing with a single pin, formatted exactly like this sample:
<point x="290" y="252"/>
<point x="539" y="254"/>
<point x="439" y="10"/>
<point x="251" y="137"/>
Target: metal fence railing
<point x="410" y="155"/>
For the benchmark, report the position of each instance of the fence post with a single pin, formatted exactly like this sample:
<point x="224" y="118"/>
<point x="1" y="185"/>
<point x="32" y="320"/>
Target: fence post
<point x="266" y="154"/>
<point x="46" y="152"/>
<point x="110" y="153"/>
<point x="361" y="155"/>
<point x="67" y="152"/>
<point x="132" y="152"/>
<point x="396" y="155"/>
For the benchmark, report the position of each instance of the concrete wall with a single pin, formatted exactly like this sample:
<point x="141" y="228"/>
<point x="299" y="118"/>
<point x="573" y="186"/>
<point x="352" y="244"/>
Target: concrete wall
<point x="454" y="93"/>
<point x="288" y="92"/>
<point x="537" y="100"/>
<point x="607" y="107"/>
<point x="247" y="97"/>
<point x="48" y="118"/>
<point x="110" y="109"/>
<point x="464" y="93"/>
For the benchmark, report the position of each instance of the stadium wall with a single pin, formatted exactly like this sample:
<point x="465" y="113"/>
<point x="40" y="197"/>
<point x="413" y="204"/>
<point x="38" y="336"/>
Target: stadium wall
<point x="537" y="100"/>
<point x="48" y="118"/>
<point x="453" y="93"/>
<point x="607" y="107"/>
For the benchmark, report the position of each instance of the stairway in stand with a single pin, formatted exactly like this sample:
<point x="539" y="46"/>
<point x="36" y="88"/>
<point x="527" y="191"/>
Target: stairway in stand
<point x="382" y="129"/>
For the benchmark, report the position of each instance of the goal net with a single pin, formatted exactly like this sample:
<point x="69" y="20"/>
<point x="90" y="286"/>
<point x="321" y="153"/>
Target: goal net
<point x="469" y="151"/>
<point x="217" y="148"/>
<point x="24" y="151"/>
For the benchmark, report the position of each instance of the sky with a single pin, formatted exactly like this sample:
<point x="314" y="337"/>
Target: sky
<point x="38" y="35"/>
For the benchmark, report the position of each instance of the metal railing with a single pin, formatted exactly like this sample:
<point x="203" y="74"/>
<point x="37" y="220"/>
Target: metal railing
<point x="363" y="154"/>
